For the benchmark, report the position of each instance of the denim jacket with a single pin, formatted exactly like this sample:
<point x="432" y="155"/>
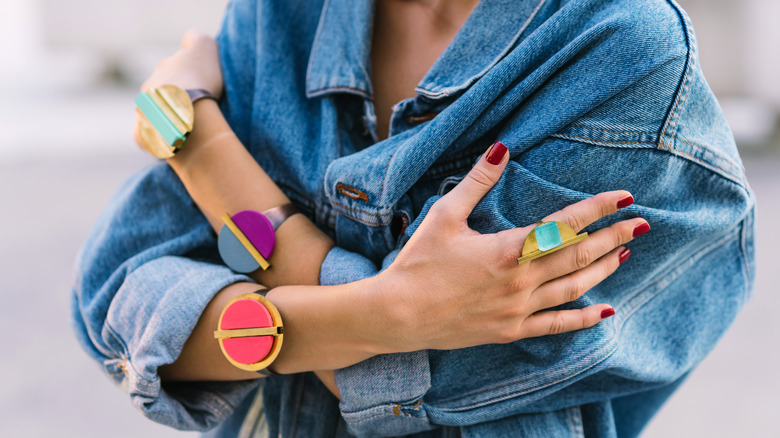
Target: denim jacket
<point x="589" y="96"/>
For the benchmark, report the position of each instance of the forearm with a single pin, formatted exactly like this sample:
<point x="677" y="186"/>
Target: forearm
<point x="321" y="331"/>
<point x="222" y="177"/>
<point x="418" y="302"/>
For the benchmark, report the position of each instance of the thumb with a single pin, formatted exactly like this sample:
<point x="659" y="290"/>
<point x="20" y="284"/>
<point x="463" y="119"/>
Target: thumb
<point x="483" y="176"/>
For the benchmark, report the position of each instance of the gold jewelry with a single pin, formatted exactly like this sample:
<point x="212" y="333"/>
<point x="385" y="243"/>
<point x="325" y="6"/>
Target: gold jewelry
<point x="250" y="332"/>
<point x="166" y="118"/>
<point x="547" y="238"/>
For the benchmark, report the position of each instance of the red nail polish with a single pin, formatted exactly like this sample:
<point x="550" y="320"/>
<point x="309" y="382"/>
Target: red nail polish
<point x="641" y="229"/>
<point x="496" y="153"/>
<point x="624" y="255"/>
<point x="625" y="202"/>
<point x="606" y="313"/>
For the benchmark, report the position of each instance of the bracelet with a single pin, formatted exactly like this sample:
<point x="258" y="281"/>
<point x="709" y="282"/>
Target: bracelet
<point x="250" y="332"/>
<point x="166" y="118"/>
<point x="197" y="94"/>
<point x="248" y="238"/>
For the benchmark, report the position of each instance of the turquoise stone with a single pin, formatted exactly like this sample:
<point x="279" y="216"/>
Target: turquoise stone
<point x="548" y="236"/>
<point x="161" y="123"/>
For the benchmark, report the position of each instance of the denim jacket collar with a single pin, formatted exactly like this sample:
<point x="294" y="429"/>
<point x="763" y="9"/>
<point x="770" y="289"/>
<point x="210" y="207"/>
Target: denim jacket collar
<point x="339" y="61"/>
<point x="337" y="64"/>
<point x="474" y="52"/>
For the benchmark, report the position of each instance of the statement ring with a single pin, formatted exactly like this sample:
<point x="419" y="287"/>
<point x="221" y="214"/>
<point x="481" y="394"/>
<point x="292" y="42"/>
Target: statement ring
<point x="546" y="238"/>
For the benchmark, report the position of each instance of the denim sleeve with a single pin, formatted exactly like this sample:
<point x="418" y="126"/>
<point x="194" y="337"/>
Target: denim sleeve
<point x="145" y="274"/>
<point x="664" y="139"/>
<point x="675" y="297"/>
<point x="150" y="266"/>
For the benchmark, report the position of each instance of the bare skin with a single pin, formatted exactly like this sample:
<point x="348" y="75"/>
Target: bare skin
<point x="398" y="59"/>
<point x="391" y="312"/>
<point x="395" y="311"/>
<point x="398" y="63"/>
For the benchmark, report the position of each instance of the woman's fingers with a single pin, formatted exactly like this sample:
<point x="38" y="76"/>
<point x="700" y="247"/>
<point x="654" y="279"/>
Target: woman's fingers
<point x="578" y="215"/>
<point x="580" y="255"/>
<point x="570" y="287"/>
<point x="461" y="200"/>
<point x="583" y="213"/>
<point x="553" y="322"/>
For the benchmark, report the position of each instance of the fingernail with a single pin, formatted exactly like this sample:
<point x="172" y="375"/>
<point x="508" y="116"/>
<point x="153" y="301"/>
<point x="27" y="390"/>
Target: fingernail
<point x="641" y="229"/>
<point x="624" y="255"/>
<point x="496" y="153"/>
<point x="625" y="202"/>
<point x="606" y="313"/>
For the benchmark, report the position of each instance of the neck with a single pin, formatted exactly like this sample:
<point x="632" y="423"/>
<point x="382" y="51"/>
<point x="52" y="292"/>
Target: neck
<point x="449" y="10"/>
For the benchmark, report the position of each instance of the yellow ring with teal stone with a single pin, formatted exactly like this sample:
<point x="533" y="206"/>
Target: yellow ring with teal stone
<point x="548" y="237"/>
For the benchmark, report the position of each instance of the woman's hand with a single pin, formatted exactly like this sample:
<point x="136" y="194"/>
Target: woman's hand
<point x="452" y="287"/>
<point x="194" y="65"/>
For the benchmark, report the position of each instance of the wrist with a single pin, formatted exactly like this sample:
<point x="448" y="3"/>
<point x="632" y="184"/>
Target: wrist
<point x="209" y="128"/>
<point x="166" y="117"/>
<point x="330" y="327"/>
<point x="391" y="321"/>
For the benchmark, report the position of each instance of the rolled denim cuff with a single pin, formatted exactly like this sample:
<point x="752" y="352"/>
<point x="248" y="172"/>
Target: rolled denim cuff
<point x="341" y="267"/>
<point x="148" y="321"/>
<point x="382" y="394"/>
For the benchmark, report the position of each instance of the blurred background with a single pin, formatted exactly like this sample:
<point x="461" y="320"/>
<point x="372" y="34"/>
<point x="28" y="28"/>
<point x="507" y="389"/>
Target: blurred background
<point x="69" y="71"/>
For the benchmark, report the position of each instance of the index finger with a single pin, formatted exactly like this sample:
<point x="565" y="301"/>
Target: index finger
<point x="583" y="213"/>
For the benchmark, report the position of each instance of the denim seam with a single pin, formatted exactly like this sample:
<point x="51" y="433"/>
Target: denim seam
<point x="408" y="402"/>
<point x="452" y="180"/>
<point x="609" y="347"/>
<point x="365" y="417"/>
<point x="747" y="224"/>
<point x="387" y="167"/>
<point x="328" y="90"/>
<point x="655" y="146"/>
<point x="381" y="198"/>
<point x="679" y="105"/>
<point x="684" y="86"/>
<point x="575" y="420"/>
<point x="145" y="383"/>
<point x="397" y="410"/>
<point x="470" y="81"/>
<point x="317" y="35"/>
<point x="638" y="300"/>
<point x="675" y="139"/>
<point x="97" y="341"/>
<point x="615" y="131"/>
<point x="691" y="38"/>
<point x="362" y="221"/>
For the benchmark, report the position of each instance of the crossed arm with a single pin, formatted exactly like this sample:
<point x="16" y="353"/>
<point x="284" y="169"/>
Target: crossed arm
<point x="396" y="310"/>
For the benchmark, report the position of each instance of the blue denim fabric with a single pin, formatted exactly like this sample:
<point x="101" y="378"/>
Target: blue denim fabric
<point x="589" y="96"/>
